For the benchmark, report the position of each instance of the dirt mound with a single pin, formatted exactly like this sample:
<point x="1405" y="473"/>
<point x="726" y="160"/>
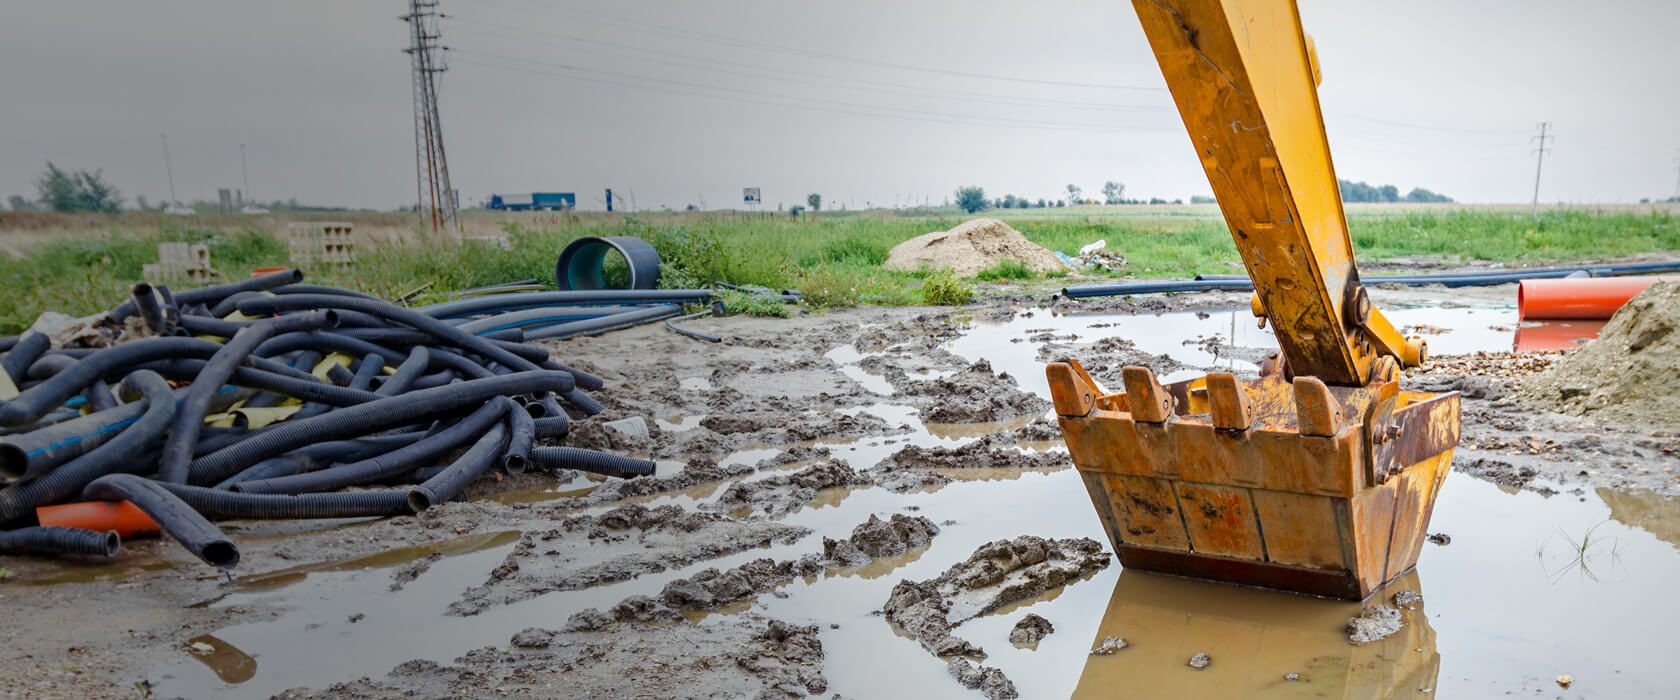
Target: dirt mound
<point x="972" y="246"/>
<point x="1627" y="373"/>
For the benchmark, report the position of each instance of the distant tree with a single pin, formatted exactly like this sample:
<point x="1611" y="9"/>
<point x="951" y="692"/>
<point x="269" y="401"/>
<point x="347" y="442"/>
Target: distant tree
<point x="19" y="203"/>
<point x="815" y="200"/>
<point x="1112" y="191"/>
<point x="1419" y="194"/>
<point x="1202" y="199"/>
<point x="1061" y="203"/>
<point x="1074" y="193"/>
<point x="971" y="199"/>
<point x="796" y="210"/>
<point x="1040" y="203"/>
<point x="1389" y="193"/>
<point x="81" y="190"/>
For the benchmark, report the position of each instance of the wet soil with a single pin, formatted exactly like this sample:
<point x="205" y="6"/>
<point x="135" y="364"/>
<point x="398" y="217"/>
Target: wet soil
<point x="812" y="471"/>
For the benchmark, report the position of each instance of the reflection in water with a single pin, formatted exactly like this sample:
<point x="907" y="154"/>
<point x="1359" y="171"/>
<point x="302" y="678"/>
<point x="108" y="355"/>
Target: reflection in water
<point x="1554" y="335"/>
<point x="956" y="431"/>
<point x="1645" y="510"/>
<point x="230" y="664"/>
<point x="1255" y="638"/>
<point x="380" y="560"/>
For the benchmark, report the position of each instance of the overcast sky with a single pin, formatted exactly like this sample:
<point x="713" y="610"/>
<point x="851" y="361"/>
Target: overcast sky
<point x="866" y="101"/>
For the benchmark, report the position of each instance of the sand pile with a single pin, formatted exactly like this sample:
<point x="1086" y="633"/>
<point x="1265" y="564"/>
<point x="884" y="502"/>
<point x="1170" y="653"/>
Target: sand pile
<point x="1630" y="373"/>
<point x="972" y="246"/>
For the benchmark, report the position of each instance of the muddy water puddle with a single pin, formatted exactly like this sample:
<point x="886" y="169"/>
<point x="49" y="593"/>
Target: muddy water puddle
<point x="1529" y="587"/>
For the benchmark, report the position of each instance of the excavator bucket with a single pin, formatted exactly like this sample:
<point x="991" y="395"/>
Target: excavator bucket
<point x="1295" y="486"/>
<point x="1319" y="476"/>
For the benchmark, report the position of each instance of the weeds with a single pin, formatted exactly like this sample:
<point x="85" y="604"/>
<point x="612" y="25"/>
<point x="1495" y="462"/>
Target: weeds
<point x="753" y="304"/>
<point x="1005" y="270"/>
<point x="1578" y="553"/>
<point x="944" y="289"/>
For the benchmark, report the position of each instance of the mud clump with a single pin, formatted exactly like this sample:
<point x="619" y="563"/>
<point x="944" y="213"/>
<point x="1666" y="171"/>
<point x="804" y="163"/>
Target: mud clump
<point x="970" y="247"/>
<point x="1408" y="600"/>
<point x="998" y="573"/>
<point x="876" y="538"/>
<point x="1627" y="373"/>
<point x="1104" y="358"/>
<point x="696" y="472"/>
<point x="985" y="679"/>
<point x="1375" y="623"/>
<point x="779" y="495"/>
<point x="973" y="395"/>
<point x="1109" y="645"/>
<point x="1030" y="630"/>
<point x="1200" y="661"/>
<point x="621" y="544"/>
<point x="737" y="656"/>
<point x="980" y="454"/>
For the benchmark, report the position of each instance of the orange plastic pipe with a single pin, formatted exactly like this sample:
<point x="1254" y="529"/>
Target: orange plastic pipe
<point x="1555" y="335"/>
<point x="124" y="517"/>
<point x="1578" y="298"/>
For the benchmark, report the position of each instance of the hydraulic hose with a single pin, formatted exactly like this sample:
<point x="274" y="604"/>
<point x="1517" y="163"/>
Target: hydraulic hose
<point x="37" y="400"/>
<point x="584" y="402"/>
<point x="605" y="323"/>
<point x="541" y="316"/>
<point x="585" y="380"/>
<point x="502" y="303"/>
<point x="441" y="330"/>
<point x="60" y="540"/>
<point x="183" y="435"/>
<point x="553" y="458"/>
<point x="29" y="348"/>
<point x="522" y="430"/>
<point x="212" y="294"/>
<point x="121" y="453"/>
<point x="373" y="416"/>
<point x="405" y="374"/>
<point x="230" y="505"/>
<point x="178" y="519"/>
<point x="450" y="482"/>
<point x="390" y="464"/>
<point x="146" y="305"/>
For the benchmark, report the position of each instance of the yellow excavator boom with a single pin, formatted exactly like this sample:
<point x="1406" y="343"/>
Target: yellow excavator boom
<point x="1319" y="476"/>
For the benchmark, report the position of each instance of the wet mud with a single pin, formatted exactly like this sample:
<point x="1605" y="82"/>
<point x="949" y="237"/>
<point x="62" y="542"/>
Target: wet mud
<point x="874" y="502"/>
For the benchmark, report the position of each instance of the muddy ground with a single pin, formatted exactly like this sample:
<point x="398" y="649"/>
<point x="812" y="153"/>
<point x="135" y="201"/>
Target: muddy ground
<point x="773" y="399"/>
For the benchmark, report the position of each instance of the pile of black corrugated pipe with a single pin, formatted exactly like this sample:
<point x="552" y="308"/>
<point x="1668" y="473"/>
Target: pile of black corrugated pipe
<point x="272" y="399"/>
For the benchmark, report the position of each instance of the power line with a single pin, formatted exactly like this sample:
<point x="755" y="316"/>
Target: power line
<point x="1539" y="159"/>
<point x="573" y="13"/>
<point x="436" y="198"/>
<point x="687" y="60"/>
<point x="833" y="106"/>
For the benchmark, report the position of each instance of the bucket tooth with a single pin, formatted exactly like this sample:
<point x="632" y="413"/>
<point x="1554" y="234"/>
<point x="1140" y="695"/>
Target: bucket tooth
<point x="1228" y="402"/>
<point x="1149" y="403"/>
<point x="1317" y="412"/>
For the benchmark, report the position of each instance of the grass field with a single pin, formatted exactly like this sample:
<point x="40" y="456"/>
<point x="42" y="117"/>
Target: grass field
<point x="834" y="259"/>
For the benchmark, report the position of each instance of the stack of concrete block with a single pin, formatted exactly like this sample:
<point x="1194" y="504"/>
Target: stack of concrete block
<point x="320" y="242"/>
<point x="180" y="261"/>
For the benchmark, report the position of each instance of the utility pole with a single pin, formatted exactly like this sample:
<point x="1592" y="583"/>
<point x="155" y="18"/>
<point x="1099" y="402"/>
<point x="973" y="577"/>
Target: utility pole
<point x="1677" y="174"/>
<point x="1539" y="159"/>
<point x="435" y="195"/>
<point x="244" y="175"/>
<point x="167" y="168"/>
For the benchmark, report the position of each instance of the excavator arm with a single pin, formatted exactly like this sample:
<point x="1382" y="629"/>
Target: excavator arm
<point x="1319" y="476"/>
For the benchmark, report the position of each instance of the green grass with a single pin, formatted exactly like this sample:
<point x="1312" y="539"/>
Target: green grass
<point x="835" y="259"/>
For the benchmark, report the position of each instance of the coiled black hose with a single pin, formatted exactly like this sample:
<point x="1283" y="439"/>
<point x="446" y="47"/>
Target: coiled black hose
<point x="146" y="305"/>
<point x="386" y="465"/>
<point x="215" y="293"/>
<point x="585" y="380"/>
<point x="405" y="374"/>
<point x="189" y="418"/>
<point x="553" y="458"/>
<point x="373" y="416"/>
<point x="38" y="400"/>
<point x="439" y="329"/>
<point x="179" y="520"/>
<point x="552" y="427"/>
<point x="29" y="348"/>
<point x="450" y="482"/>
<point x="60" y="540"/>
<point x="122" y="453"/>
<point x="444" y="358"/>
<point x="50" y="364"/>
<point x="229" y="505"/>
<point x="522" y="430"/>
